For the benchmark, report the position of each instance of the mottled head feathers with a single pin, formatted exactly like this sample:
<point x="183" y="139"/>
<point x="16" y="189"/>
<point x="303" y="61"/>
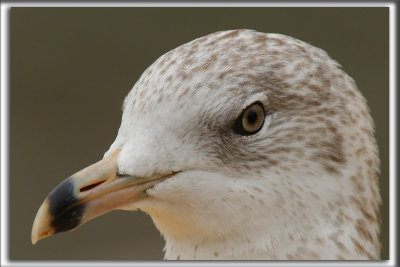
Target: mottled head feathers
<point x="303" y="187"/>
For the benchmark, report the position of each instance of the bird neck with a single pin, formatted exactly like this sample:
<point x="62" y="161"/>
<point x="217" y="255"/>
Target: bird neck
<point x="251" y="244"/>
<point x="262" y="243"/>
<point x="314" y="239"/>
<point x="332" y="225"/>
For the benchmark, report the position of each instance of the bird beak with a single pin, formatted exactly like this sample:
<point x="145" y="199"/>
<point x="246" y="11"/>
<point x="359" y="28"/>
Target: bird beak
<point x="87" y="194"/>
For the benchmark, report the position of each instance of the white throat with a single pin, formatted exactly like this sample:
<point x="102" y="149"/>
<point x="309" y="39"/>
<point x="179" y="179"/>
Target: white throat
<point x="310" y="241"/>
<point x="272" y="222"/>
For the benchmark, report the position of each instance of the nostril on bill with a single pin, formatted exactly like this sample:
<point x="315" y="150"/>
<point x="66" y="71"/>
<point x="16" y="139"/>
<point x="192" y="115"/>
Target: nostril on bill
<point x="91" y="186"/>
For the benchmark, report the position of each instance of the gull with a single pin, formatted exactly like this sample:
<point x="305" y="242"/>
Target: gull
<point x="239" y="145"/>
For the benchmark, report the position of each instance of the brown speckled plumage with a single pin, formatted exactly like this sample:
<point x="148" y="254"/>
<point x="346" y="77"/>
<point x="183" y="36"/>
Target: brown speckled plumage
<point x="304" y="187"/>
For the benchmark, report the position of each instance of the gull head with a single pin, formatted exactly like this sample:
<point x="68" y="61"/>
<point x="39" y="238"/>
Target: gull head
<point x="239" y="145"/>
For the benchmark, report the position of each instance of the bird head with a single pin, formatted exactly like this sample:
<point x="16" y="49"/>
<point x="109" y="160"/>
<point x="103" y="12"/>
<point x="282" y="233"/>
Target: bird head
<point x="235" y="134"/>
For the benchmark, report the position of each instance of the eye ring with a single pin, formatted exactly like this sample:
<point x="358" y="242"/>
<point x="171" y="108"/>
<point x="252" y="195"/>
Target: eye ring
<point x="251" y="120"/>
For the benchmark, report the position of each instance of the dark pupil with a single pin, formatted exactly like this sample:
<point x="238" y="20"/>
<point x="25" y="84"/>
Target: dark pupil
<point x="252" y="117"/>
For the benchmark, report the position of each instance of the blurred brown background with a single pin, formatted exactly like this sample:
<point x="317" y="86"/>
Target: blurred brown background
<point x="72" y="67"/>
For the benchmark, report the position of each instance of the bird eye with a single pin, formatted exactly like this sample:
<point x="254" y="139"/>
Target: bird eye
<point x="250" y="120"/>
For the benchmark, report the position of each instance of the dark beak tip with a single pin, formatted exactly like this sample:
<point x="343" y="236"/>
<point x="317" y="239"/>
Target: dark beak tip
<point x="60" y="212"/>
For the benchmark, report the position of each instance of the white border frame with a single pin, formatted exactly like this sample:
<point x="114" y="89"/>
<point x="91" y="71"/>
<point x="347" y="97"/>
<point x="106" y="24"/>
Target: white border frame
<point x="5" y="82"/>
